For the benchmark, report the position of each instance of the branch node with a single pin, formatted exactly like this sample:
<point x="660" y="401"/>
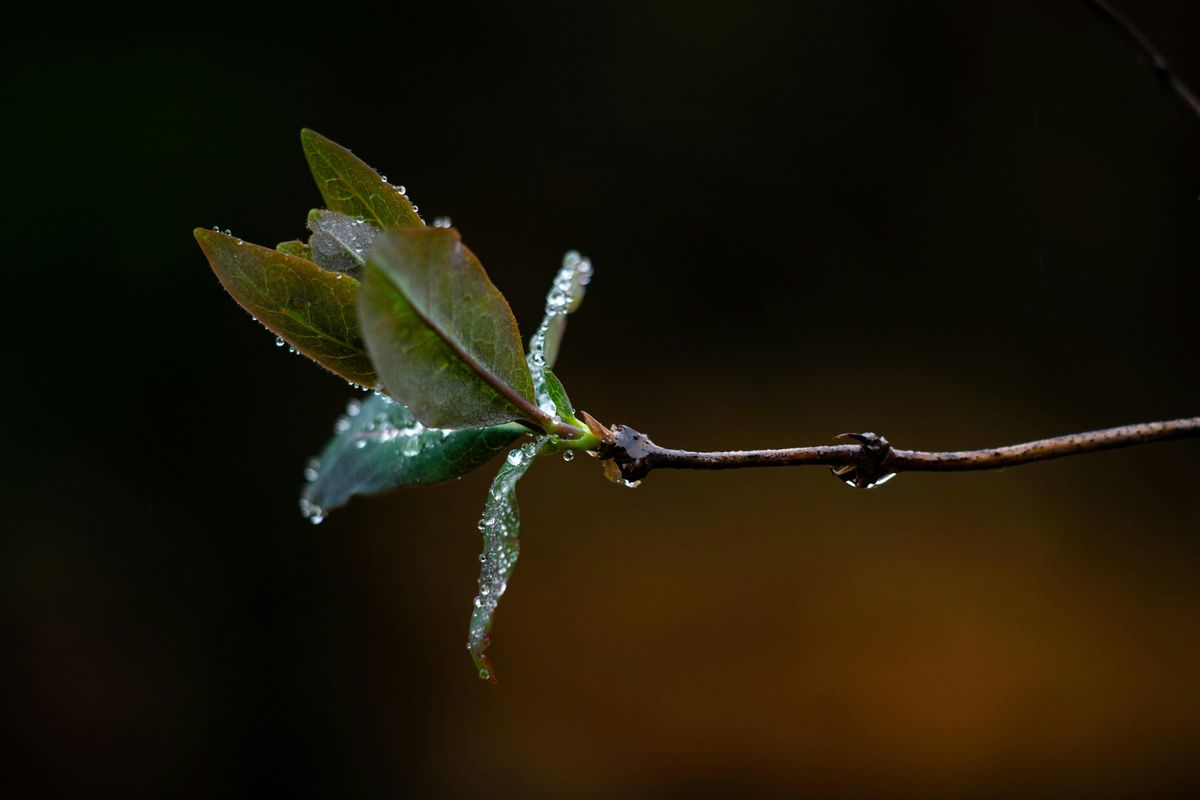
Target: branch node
<point x="870" y="467"/>
<point x="630" y="451"/>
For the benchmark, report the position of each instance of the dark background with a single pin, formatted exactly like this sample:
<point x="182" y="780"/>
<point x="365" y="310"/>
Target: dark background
<point x="958" y="224"/>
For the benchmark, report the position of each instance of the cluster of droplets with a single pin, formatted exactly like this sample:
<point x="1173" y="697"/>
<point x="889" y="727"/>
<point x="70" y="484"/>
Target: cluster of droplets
<point x="402" y="191"/>
<point x="565" y="293"/>
<point x="227" y="232"/>
<point x="500" y="526"/>
<point x="441" y="222"/>
<point x="393" y="424"/>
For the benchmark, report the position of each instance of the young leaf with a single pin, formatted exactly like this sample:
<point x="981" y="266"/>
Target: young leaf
<point x="340" y="243"/>
<point x="380" y="445"/>
<point x="570" y="284"/>
<point x="565" y="295"/>
<point x="441" y="336"/>
<point x="558" y="394"/>
<point x="312" y="309"/>
<point x="500" y="526"/>
<point x="295" y="248"/>
<point x="351" y="187"/>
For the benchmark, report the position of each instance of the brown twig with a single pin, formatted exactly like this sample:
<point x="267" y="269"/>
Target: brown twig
<point x="1154" y="59"/>
<point x="873" y="459"/>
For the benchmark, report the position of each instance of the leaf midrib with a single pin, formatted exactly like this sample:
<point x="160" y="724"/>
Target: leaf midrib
<point x="501" y="388"/>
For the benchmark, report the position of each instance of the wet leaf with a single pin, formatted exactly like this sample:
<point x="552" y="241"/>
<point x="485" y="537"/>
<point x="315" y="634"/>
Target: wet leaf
<point x="310" y="308"/>
<point x="351" y="187"/>
<point x="572" y="280"/>
<point x="379" y="446"/>
<point x="559" y="395"/>
<point x="340" y="243"/>
<point x="500" y="526"/>
<point x="441" y="336"/>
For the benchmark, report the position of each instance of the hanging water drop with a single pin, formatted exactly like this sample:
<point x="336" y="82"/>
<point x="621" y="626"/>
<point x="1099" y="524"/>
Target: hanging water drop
<point x="568" y="455"/>
<point x="279" y="342"/>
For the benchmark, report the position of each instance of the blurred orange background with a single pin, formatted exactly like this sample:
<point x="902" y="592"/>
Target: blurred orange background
<point x="959" y="225"/>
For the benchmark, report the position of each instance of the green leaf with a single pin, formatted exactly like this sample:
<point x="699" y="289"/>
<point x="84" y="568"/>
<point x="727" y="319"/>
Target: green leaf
<point x="380" y="445"/>
<point x="351" y="187"/>
<point x="500" y="526"/>
<point x="295" y="248"/>
<point x="559" y="395"/>
<point x="569" y="286"/>
<point x="340" y="243"/>
<point x="310" y="308"/>
<point x="441" y="336"/>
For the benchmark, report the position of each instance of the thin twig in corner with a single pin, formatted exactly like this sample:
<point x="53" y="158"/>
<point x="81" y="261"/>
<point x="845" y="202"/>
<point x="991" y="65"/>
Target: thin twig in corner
<point x="1155" y="59"/>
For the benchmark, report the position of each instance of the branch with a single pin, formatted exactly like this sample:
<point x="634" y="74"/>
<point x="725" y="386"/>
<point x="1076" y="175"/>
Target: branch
<point x="1154" y="59"/>
<point x="873" y="459"/>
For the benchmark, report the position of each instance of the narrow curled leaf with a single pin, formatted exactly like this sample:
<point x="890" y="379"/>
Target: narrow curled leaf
<point x="295" y="248"/>
<point x="500" y="526"/>
<point x="569" y="286"/>
<point x="565" y="295"/>
<point x="441" y="336"/>
<point x="379" y="445"/>
<point x="351" y="187"/>
<point x="310" y="308"/>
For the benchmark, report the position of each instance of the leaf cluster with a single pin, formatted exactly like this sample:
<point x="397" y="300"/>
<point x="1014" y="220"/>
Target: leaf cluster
<point x="406" y="312"/>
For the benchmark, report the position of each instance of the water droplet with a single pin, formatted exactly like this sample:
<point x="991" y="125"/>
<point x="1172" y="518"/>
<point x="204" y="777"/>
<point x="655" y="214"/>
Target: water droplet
<point x="279" y="342"/>
<point x="515" y="458"/>
<point x="311" y="511"/>
<point x="342" y="425"/>
<point x="401" y="189"/>
<point x="311" y="468"/>
<point x="568" y="455"/>
<point x="353" y="406"/>
<point x="483" y="673"/>
<point x="360" y="444"/>
<point x="415" y="209"/>
<point x="384" y="178"/>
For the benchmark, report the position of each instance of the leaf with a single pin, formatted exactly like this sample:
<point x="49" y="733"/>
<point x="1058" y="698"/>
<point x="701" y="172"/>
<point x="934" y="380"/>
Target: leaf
<point x="559" y="395"/>
<point x="379" y="445"/>
<point x="351" y="187"/>
<point x="310" y="308"/>
<point x="500" y="526"/>
<point x="441" y="336"/>
<point x="565" y="295"/>
<point x="340" y="243"/>
<point x="570" y="284"/>
<point x="295" y="248"/>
